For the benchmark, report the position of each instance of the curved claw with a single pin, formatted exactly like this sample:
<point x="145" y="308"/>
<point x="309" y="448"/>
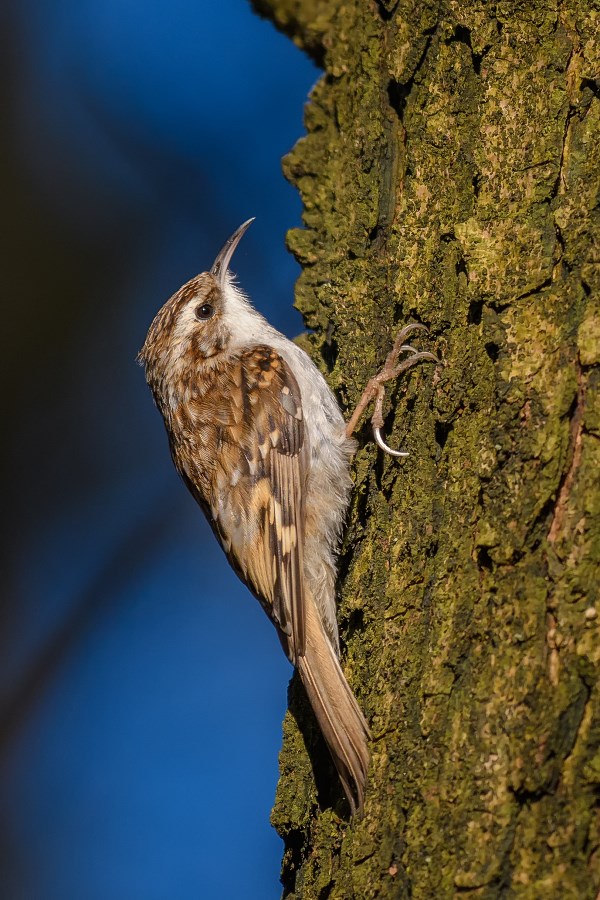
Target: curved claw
<point x="381" y="443"/>
<point x="412" y="326"/>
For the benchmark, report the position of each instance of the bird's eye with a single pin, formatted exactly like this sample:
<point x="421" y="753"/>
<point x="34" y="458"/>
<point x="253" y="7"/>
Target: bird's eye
<point x="205" y="311"/>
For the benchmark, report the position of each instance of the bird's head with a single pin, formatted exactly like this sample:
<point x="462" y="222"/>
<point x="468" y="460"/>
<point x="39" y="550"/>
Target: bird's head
<point x="206" y="317"/>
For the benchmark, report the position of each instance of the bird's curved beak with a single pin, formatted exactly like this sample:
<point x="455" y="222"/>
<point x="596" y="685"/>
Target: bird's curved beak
<point x="221" y="264"/>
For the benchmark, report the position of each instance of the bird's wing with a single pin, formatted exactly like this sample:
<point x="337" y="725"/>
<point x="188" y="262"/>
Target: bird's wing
<point x="257" y="492"/>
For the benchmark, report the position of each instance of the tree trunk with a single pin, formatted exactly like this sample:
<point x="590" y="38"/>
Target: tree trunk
<point x="450" y="176"/>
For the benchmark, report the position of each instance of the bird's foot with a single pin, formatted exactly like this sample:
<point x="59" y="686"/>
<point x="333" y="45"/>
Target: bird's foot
<point x="375" y="389"/>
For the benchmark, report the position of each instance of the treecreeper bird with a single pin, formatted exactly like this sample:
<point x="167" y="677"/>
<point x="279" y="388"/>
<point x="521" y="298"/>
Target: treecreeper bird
<point x="260" y="441"/>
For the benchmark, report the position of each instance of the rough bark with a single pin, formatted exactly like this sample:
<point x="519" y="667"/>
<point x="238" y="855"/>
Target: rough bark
<point x="451" y="176"/>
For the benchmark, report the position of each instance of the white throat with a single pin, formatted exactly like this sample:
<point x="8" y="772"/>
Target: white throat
<point x="243" y="322"/>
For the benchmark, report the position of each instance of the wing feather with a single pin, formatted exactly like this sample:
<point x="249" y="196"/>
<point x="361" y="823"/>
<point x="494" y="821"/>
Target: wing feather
<point x="256" y="497"/>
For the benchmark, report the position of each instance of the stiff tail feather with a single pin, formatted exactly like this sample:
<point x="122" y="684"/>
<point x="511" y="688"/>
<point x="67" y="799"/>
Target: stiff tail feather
<point x="343" y="725"/>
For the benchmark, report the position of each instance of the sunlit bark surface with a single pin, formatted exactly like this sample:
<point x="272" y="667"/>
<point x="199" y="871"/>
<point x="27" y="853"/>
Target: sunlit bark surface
<point x="450" y="176"/>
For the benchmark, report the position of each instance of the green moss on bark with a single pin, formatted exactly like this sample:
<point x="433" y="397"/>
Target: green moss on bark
<point x="450" y="175"/>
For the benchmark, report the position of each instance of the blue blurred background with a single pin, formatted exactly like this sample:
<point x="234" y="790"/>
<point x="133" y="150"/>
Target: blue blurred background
<point x="141" y="687"/>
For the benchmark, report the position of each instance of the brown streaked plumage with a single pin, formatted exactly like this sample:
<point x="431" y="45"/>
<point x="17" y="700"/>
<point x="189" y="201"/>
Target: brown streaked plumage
<point x="261" y="443"/>
<point x="240" y="446"/>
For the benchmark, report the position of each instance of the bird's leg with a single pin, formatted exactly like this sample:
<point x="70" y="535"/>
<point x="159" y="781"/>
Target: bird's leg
<point x="375" y="389"/>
